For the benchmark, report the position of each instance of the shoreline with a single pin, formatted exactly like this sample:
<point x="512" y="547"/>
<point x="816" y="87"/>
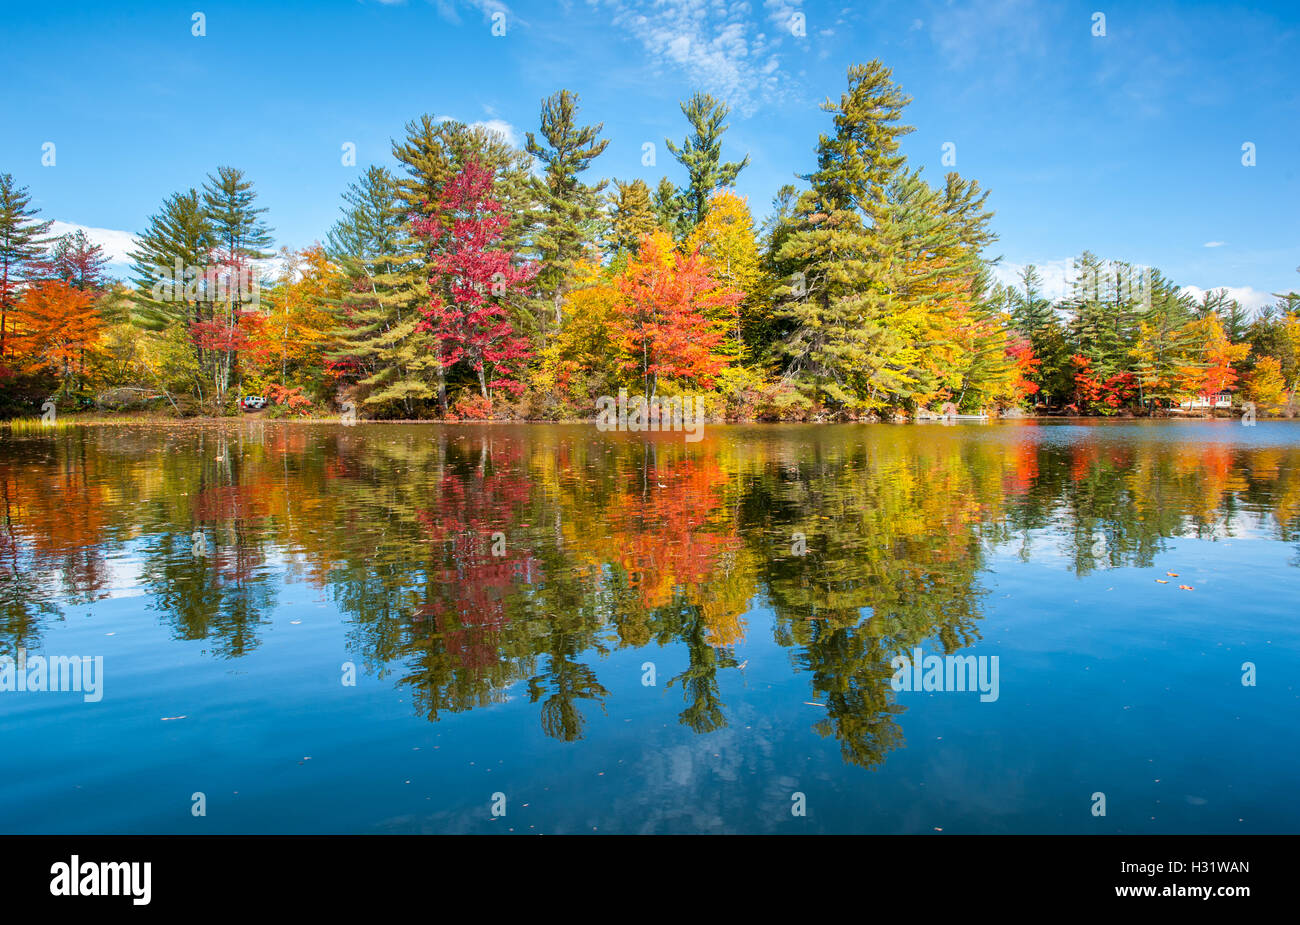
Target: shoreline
<point x="203" y="420"/>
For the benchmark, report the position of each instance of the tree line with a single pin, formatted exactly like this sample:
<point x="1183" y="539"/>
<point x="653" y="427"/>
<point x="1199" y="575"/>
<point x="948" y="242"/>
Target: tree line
<point x="479" y="280"/>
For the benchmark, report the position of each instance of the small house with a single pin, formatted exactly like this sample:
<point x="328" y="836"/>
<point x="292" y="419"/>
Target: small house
<point x="1222" y="399"/>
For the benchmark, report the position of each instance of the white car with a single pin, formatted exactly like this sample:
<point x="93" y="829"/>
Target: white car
<point x="254" y="402"/>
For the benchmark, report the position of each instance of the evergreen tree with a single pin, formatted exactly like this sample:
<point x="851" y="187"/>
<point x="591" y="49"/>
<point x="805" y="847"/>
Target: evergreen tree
<point x="434" y="151"/>
<point x="1105" y="314"/>
<point x="241" y="237"/>
<point x="168" y="256"/>
<point x="237" y="227"/>
<point x="178" y="238"/>
<point x="1163" y="341"/>
<point x="837" y="303"/>
<point x="668" y="209"/>
<point x="1031" y="313"/>
<point x="1034" y="316"/>
<point x="22" y="239"/>
<point x="1229" y="310"/>
<point x="372" y="220"/>
<point x="763" y="336"/>
<point x="569" y="207"/>
<point x="631" y="215"/>
<point x="701" y="155"/>
<point x="377" y="343"/>
<point x="928" y="244"/>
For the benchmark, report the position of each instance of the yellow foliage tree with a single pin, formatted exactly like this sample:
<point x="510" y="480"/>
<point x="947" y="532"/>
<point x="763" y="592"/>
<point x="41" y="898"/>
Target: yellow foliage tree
<point x="726" y="239"/>
<point x="581" y="362"/>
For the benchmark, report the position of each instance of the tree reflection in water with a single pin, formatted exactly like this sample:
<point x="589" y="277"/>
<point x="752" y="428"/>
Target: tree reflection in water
<point x="469" y="560"/>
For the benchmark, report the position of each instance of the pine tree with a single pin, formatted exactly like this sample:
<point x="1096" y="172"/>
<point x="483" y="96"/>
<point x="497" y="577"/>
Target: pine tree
<point x="372" y="220"/>
<point x="1035" y="318"/>
<point x="701" y="155"/>
<point x="929" y="243"/>
<point x="376" y="343"/>
<point x="168" y="256"/>
<point x="22" y="239"/>
<point x="241" y="237"/>
<point x="836" y="304"/>
<point x="631" y="215"/>
<point x="764" y="336"/>
<point x="434" y="151"/>
<point x="669" y="210"/>
<point x="1163" y="338"/>
<point x="569" y="207"/>
<point x="236" y="223"/>
<point x="1104" y="315"/>
<point x="177" y="239"/>
<point x="1031" y="312"/>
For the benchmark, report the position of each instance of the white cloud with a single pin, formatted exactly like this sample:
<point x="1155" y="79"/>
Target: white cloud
<point x="1214" y="243"/>
<point x="118" y="244"/>
<point x="1249" y="297"/>
<point x="447" y="8"/>
<point x="115" y="243"/>
<point x="719" y="46"/>
<point x="1056" y="276"/>
<point x="501" y="127"/>
<point x="966" y="34"/>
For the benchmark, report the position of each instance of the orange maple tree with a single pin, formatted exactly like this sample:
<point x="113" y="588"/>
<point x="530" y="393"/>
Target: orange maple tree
<point x="663" y="322"/>
<point x="57" y="326"/>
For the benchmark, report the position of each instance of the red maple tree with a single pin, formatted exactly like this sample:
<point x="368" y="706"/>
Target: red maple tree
<point x="1104" y="395"/>
<point x="472" y="279"/>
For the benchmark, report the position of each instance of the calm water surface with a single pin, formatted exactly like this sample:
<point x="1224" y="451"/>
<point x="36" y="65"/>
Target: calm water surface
<point x="631" y="633"/>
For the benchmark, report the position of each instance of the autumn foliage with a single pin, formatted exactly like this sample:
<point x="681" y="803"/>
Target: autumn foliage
<point x="472" y="280"/>
<point x="57" y="327"/>
<point x="662" y="324"/>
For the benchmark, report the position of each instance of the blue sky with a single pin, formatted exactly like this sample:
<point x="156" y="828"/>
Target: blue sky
<point x="1128" y="144"/>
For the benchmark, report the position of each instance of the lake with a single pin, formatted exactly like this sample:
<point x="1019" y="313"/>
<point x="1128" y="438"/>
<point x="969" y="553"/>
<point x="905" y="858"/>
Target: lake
<point x="317" y="628"/>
